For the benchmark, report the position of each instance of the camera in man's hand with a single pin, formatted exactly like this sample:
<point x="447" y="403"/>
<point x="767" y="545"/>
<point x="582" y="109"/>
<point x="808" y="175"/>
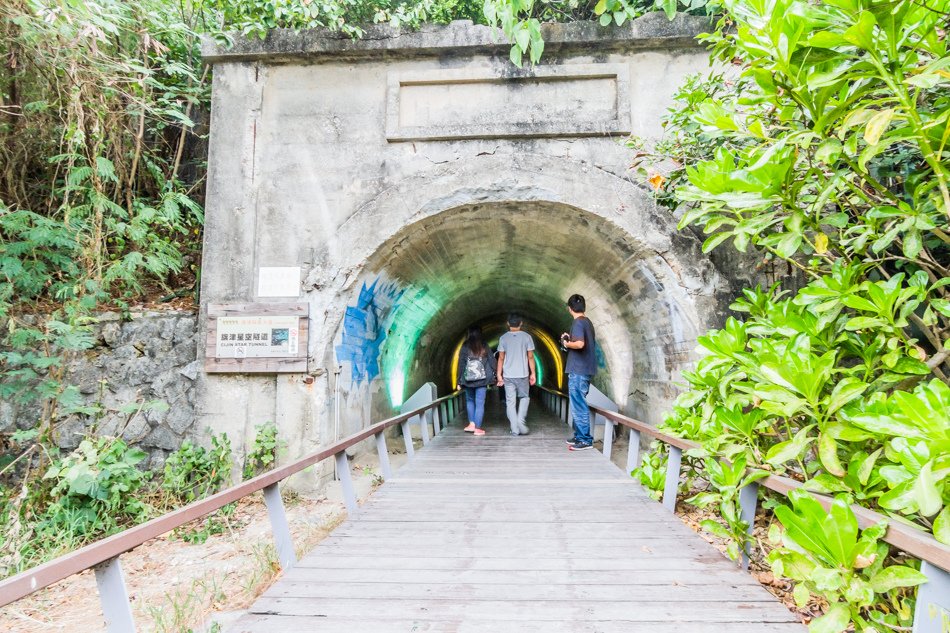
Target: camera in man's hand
<point x="564" y="339"/>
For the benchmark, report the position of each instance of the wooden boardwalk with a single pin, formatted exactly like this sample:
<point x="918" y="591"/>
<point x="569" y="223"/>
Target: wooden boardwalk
<point x="500" y="533"/>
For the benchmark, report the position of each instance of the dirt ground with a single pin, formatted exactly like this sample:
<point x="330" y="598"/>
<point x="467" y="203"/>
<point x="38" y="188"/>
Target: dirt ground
<point x="177" y="587"/>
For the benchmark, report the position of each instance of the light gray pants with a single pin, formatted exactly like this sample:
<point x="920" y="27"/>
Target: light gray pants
<point x="516" y="401"/>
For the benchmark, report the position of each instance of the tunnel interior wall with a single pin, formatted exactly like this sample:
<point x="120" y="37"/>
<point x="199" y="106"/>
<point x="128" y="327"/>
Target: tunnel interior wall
<point x="423" y="184"/>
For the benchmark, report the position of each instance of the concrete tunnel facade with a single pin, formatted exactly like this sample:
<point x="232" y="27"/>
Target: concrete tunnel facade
<point x="423" y="185"/>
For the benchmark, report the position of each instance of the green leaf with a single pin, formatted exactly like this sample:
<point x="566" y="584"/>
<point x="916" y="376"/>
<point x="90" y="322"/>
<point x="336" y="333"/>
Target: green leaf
<point x="515" y="55"/>
<point x="862" y="33"/>
<point x="522" y="39"/>
<point x="668" y="7"/>
<point x="942" y="526"/>
<point x="876" y="126"/>
<point x="864" y="323"/>
<point x="844" y="392"/>
<point x="828" y="454"/>
<point x="926" y="492"/>
<point x="801" y="595"/>
<point x="896" y="576"/>
<point x="600" y="7"/>
<point x="715" y="528"/>
<point x="791" y="449"/>
<point x="835" y="620"/>
<point x="715" y="240"/>
<point x="829" y="151"/>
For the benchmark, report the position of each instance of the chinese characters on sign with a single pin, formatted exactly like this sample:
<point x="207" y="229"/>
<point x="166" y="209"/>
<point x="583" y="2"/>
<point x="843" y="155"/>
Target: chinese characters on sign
<point x="257" y="337"/>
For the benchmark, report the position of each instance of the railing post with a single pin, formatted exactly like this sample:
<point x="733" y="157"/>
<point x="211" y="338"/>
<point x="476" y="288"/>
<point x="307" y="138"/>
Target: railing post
<point x="748" y="500"/>
<point x="407" y="436"/>
<point x="114" y="597"/>
<point x="424" y="425"/>
<point x="278" y="523"/>
<point x="436" y="419"/>
<point x="633" y="450"/>
<point x="383" y="451"/>
<point x="933" y="600"/>
<point x="346" y="482"/>
<point x="608" y="436"/>
<point x="672" y="478"/>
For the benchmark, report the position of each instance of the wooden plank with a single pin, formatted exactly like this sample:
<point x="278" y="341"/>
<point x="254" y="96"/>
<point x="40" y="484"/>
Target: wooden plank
<point x="684" y="572"/>
<point x="303" y="624"/>
<point x="587" y="570"/>
<point x="497" y="589"/>
<point x="531" y="610"/>
<point x="658" y="553"/>
<point x="646" y="529"/>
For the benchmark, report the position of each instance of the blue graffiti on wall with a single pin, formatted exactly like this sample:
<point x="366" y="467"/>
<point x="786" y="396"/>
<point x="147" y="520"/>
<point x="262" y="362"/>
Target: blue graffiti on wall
<point x="601" y="359"/>
<point x="365" y="327"/>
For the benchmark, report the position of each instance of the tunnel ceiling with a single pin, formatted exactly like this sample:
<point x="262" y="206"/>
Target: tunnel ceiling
<point x="474" y="264"/>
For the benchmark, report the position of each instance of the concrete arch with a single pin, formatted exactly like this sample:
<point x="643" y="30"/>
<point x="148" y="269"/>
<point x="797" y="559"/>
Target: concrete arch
<point x="650" y="289"/>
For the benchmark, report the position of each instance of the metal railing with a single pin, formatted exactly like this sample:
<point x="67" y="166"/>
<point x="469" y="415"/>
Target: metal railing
<point x="934" y="555"/>
<point x="103" y="556"/>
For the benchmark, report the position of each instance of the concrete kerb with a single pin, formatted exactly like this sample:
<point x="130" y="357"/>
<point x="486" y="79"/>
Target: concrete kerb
<point x="652" y="30"/>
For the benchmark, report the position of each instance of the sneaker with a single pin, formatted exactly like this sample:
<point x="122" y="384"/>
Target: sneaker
<point x="571" y="440"/>
<point x="578" y="446"/>
<point x="514" y="433"/>
<point x="470" y="428"/>
<point x="525" y="431"/>
<point x="478" y="432"/>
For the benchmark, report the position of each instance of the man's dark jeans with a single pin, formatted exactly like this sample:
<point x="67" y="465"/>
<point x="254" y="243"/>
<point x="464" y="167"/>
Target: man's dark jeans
<point x="577" y="388"/>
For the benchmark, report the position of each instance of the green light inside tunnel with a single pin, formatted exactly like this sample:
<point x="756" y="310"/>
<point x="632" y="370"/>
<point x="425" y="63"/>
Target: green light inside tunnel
<point x="539" y="370"/>
<point x="405" y="326"/>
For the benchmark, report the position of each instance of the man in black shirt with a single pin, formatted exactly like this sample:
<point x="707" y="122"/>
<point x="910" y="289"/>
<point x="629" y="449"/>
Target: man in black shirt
<point x="581" y="367"/>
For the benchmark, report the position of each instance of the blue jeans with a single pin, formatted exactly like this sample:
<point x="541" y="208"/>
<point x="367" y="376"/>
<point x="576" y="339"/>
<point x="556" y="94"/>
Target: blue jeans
<point x="577" y="388"/>
<point x="475" y="404"/>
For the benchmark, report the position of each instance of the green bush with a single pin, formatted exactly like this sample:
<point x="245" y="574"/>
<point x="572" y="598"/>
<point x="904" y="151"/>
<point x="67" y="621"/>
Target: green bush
<point x="263" y="453"/>
<point x="825" y="151"/>
<point x="96" y="490"/>
<point x="192" y="473"/>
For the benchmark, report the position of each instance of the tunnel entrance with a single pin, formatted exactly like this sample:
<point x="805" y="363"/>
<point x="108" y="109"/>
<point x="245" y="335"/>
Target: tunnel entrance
<point x="473" y="264"/>
<point x="402" y="189"/>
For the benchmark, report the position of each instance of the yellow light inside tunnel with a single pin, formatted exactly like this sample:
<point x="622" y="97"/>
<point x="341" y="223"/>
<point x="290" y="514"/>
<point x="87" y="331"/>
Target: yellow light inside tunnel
<point x="552" y="347"/>
<point x="541" y="335"/>
<point x="455" y="364"/>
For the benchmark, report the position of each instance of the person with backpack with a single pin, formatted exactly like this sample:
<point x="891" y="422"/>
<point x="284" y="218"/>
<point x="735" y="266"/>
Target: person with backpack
<point x="475" y="372"/>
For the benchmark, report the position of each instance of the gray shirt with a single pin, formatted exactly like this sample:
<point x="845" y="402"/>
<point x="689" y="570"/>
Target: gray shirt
<point x="516" y="346"/>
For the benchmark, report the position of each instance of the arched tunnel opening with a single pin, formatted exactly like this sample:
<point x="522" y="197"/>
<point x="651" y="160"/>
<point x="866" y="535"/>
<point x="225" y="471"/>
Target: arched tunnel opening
<point x="474" y="264"/>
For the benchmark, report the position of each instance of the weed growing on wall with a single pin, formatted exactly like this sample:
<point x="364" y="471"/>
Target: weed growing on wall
<point x="263" y="453"/>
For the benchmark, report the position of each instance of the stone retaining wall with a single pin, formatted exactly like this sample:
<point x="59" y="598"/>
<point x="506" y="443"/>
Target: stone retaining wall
<point x="150" y="357"/>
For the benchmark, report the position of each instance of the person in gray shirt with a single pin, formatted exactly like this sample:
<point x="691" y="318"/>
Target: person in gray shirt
<point x="516" y="372"/>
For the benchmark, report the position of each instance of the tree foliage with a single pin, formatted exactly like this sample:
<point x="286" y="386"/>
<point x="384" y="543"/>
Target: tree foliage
<point x="822" y="144"/>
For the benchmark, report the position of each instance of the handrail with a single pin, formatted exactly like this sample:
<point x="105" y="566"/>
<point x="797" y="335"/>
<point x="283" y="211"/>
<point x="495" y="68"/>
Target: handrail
<point x="107" y="549"/>
<point x="899" y="534"/>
